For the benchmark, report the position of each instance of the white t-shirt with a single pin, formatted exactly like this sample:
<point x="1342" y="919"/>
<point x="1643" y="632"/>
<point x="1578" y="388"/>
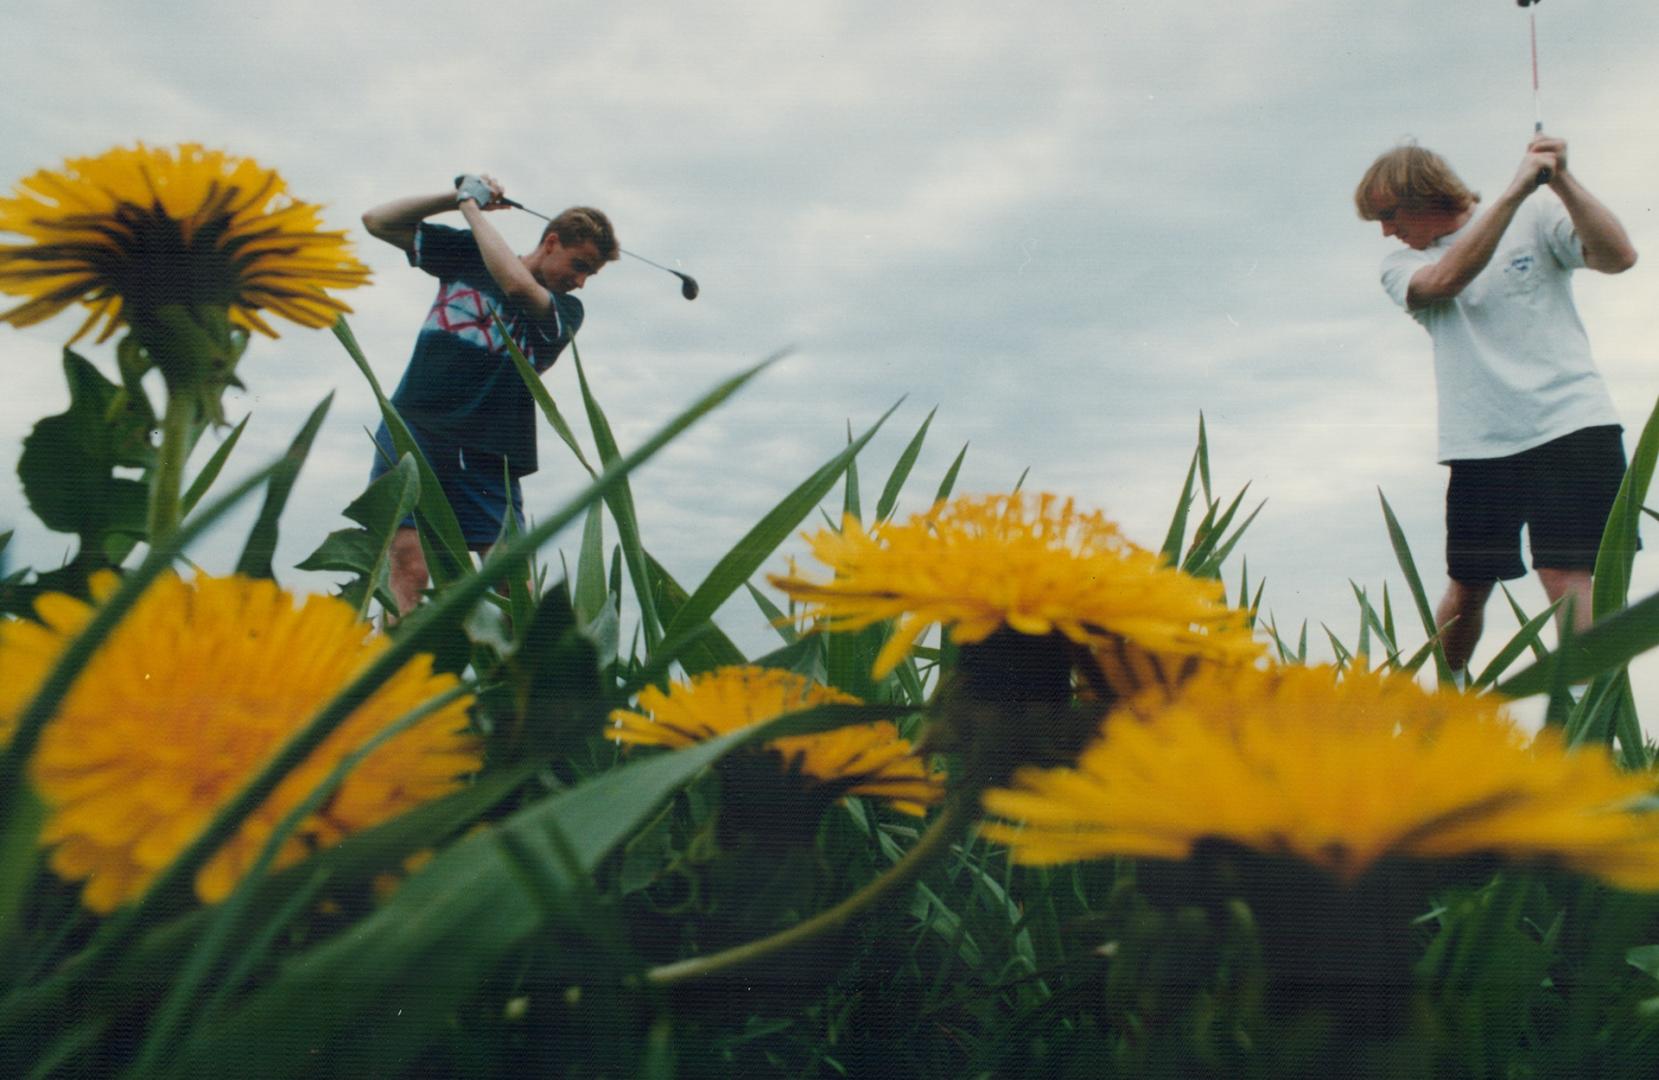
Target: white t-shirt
<point x="1512" y="366"/>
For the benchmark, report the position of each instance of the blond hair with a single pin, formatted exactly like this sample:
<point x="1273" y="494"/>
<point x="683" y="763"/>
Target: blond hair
<point x="580" y="224"/>
<point x="1414" y="178"/>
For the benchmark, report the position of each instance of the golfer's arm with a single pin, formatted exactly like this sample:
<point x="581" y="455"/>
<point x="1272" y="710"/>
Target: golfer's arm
<point x="504" y="266"/>
<point x="1607" y="246"/>
<point x="395" y="222"/>
<point x="1466" y="258"/>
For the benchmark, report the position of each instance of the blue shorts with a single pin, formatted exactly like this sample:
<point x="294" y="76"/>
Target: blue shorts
<point x="475" y="483"/>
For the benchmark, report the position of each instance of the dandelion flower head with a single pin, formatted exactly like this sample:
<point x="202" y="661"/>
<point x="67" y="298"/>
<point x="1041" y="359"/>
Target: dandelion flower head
<point x="188" y="698"/>
<point x="859" y="759"/>
<point x="1339" y="774"/>
<point x="1036" y="565"/>
<point x="135" y="230"/>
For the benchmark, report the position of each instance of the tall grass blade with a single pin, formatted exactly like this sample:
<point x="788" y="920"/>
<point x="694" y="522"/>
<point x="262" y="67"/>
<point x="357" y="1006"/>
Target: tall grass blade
<point x="592" y="595"/>
<point x="1607" y="645"/>
<point x="215" y="465"/>
<point x="262" y="540"/>
<point x="948" y="484"/>
<point x="542" y="397"/>
<point x="1414" y="582"/>
<point x="1175" y="537"/>
<point x="851" y="507"/>
<point x="1525" y="638"/>
<point x="621" y="503"/>
<point x="889" y="499"/>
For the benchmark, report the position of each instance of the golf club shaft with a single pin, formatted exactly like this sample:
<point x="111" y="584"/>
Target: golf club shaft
<point x="1537" y="113"/>
<point x="688" y="283"/>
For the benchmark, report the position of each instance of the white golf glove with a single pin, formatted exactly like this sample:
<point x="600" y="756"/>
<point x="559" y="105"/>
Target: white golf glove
<point x="474" y="188"/>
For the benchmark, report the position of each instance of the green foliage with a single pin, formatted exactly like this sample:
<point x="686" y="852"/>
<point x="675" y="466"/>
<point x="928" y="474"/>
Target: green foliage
<point x="581" y="906"/>
<point x="68" y="471"/>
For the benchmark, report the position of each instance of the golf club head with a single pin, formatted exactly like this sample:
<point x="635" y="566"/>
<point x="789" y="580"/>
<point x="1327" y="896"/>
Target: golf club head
<point x="688" y="286"/>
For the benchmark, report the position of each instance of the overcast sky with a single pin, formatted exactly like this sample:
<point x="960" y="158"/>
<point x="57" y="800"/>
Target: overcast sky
<point x="1071" y="226"/>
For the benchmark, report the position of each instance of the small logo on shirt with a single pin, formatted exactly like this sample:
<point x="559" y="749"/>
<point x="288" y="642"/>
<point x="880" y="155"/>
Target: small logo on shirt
<point x="1520" y="276"/>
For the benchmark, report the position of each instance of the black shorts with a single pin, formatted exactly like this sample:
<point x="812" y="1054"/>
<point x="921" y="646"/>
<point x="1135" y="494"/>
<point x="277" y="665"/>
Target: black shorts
<point x="1561" y="491"/>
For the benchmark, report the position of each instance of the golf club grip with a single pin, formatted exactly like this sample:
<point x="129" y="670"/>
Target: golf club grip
<point x="1543" y="176"/>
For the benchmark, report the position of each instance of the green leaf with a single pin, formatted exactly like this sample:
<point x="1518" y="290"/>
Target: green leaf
<point x="775" y="618"/>
<point x="554" y="682"/>
<point x="1175" y="536"/>
<point x="1204" y="459"/>
<point x="19" y="860"/>
<point x="592" y="596"/>
<point x="366" y="552"/>
<point x="215" y="465"/>
<point x="1525" y="638"/>
<point x="262" y="541"/>
<point x="1607" y="645"/>
<point x="621" y="504"/>
<point x="901" y="470"/>
<point x="948" y="484"/>
<point x="850" y="506"/>
<point x="68" y="462"/>
<point x="1408" y="567"/>
<point x="1644" y="958"/>
<point x="539" y="392"/>
<point x="1619" y="538"/>
<point x="711" y="648"/>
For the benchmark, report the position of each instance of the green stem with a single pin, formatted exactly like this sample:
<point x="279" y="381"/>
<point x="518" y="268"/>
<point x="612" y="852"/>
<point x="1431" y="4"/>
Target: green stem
<point x="176" y="425"/>
<point x="952" y="822"/>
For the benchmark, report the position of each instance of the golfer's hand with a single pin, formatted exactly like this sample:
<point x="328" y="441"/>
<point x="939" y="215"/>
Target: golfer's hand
<point x="482" y="190"/>
<point x="1544" y="152"/>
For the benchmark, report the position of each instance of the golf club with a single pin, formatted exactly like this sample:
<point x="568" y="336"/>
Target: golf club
<point x="1537" y="114"/>
<point x="688" y="284"/>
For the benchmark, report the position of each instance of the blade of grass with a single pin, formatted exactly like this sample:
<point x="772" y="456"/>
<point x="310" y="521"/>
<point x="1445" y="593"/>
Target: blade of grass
<point x="948" y="484"/>
<point x="850" y="505"/>
<point x="215" y="465"/>
<point x="1175" y="537"/>
<point x="621" y="504"/>
<point x="1521" y="618"/>
<point x="1525" y="638"/>
<point x="748" y="554"/>
<point x="775" y="618"/>
<point x="541" y="395"/>
<point x="1408" y="567"/>
<point x="1608" y="644"/>
<point x="262" y="539"/>
<point x="889" y="499"/>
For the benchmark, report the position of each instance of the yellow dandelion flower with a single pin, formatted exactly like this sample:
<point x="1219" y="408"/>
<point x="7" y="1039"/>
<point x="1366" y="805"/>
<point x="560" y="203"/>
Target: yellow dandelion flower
<point x="1035" y="566"/>
<point x="135" y="230"/>
<point x="187" y="699"/>
<point x="1340" y="774"/>
<point x="860" y="759"/>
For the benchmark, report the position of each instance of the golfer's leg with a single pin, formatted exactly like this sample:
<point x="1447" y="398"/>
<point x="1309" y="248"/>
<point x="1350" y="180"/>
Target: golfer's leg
<point x="1575" y="586"/>
<point x="407" y="573"/>
<point x="1461" y="616"/>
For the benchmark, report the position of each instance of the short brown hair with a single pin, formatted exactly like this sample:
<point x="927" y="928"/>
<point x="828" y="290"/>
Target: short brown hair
<point x="1414" y="178"/>
<point x="580" y="224"/>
